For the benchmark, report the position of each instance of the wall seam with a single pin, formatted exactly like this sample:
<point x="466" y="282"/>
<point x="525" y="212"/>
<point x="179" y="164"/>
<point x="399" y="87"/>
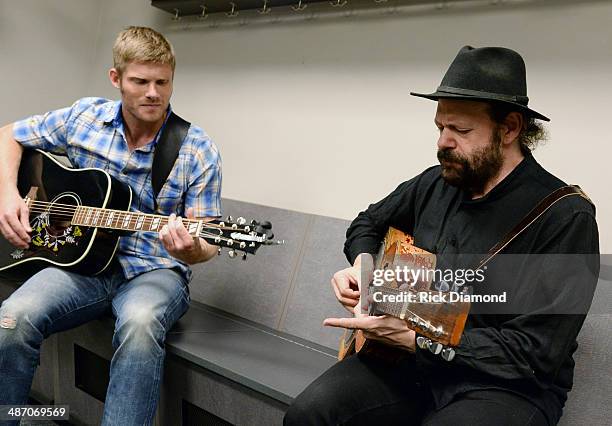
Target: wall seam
<point x="294" y="274"/>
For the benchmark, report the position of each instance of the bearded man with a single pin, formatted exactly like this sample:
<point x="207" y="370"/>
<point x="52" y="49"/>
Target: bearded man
<point x="511" y="367"/>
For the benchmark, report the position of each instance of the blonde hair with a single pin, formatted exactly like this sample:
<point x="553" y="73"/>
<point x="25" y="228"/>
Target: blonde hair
<point x="141" y="44"/>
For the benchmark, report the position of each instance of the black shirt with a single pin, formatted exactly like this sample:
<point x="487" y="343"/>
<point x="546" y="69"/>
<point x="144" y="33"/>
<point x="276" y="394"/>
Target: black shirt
<point x="527" y="350"/>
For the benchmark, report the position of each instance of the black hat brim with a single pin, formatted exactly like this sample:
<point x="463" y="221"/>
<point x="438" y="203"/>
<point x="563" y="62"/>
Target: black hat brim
<point x="445" y="95"/>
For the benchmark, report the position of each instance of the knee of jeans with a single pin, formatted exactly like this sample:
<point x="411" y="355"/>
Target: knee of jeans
<point x="142" y="328"/>
<point x="18" y="320"/>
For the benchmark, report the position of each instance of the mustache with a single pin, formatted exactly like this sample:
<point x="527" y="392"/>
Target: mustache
<point x="449" y="156"/>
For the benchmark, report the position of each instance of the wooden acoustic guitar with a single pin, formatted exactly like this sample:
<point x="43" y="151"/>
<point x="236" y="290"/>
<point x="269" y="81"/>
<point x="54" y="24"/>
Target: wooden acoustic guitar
<point x="438" y="321"/>
<point x="78" y="215"/>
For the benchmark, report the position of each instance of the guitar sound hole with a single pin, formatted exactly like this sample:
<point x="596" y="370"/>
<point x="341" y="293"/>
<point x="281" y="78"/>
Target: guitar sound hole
<point x="57" y="227"/>
<point x="61" y="212"/>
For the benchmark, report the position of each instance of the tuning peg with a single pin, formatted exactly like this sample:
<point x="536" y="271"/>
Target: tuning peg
<point x="421" y="342"/>
<point x="435" y="348"/>
<point x="448" y="354"/>
<point x="219" y="251"/>
<point x="229" y="219"/>
<point x="242" y="244"/>
<point x="230" y="243"/>
<point x="244" y="256"/>
<point x="231" y="254"/>
<point x="241" y="221"/>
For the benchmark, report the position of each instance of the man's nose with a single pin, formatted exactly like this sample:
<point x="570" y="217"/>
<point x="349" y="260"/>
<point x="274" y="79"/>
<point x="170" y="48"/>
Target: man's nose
<point x="446" y="140"/>
<point x="152" y="91"/>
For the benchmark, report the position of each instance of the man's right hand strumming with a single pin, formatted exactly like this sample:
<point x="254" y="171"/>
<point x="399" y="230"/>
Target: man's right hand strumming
<point x="346" y="287"/>
<point x="14" y="218"/>
<point x="347" y="282"/>
<point x="14" y="214"/>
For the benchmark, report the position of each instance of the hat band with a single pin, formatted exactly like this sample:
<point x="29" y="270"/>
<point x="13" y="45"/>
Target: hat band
<point x="524" y="100"/>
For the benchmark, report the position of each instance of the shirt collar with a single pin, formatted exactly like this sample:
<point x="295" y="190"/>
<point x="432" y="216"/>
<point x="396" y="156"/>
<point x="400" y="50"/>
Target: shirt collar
<point x="113" y="116"/>
<point x="112" y="113"/>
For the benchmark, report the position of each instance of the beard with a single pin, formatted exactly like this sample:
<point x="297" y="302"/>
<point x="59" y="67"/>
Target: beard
<point x="132" y="105"/>
<point x="472" y="173"/>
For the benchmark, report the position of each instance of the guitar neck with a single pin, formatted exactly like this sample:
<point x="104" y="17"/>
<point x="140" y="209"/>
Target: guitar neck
<point x="234" y="235"/>
<point x="128" y="221"/>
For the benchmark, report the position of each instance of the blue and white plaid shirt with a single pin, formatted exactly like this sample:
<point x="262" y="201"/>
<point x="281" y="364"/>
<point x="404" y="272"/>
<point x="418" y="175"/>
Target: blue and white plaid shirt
<point x="91" y="134"/>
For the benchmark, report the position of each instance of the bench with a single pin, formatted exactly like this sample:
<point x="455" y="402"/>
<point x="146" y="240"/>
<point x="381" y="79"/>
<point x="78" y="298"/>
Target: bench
<point x="253" y="340"/>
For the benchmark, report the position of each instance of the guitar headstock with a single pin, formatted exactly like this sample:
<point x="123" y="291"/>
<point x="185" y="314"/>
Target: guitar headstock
<point x="240" y="236"/>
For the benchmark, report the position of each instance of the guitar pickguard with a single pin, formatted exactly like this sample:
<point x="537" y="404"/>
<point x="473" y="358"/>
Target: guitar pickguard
<point x="49" y="236"/>
<point x="45" y="238"/>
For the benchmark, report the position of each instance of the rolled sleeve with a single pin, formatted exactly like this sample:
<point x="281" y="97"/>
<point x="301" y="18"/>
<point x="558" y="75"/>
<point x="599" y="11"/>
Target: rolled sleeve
<point x="45" y="131"/>
<point x="204" y="192"/>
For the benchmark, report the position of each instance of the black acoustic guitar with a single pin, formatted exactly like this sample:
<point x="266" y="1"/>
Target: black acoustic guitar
<point x="78" y="215"/>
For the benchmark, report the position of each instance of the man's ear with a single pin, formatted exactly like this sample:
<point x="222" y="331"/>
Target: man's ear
<point x="512" y="126"/>
<point x="115" y="77"/>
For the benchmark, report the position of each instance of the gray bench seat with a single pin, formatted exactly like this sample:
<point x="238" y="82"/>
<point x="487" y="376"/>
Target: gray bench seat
<point x="273" y="363"/>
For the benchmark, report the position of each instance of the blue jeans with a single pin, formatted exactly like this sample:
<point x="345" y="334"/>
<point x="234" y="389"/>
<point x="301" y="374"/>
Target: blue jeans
<point x="53" y="300"/>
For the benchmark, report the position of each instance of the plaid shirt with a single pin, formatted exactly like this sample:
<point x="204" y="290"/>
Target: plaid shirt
<point x="91" y="134"/>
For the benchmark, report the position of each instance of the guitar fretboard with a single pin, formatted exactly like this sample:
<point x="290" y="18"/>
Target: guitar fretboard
<point x="127" y="221"/>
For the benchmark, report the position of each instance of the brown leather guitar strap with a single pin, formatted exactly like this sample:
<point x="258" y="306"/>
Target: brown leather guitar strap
<point x="532" y="216"/>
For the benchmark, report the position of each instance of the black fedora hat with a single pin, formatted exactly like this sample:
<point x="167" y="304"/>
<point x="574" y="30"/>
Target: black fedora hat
<point x="489" y="74"/>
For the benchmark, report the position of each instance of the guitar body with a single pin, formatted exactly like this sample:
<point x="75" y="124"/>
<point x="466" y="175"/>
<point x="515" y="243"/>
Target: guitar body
<point x="440" y="323"/>
<point x="55" y="242"/>
<point x="354" y="341"/>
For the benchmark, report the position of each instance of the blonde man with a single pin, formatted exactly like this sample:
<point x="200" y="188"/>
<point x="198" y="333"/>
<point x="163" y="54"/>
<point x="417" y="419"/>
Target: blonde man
<point x="146" y="287"/>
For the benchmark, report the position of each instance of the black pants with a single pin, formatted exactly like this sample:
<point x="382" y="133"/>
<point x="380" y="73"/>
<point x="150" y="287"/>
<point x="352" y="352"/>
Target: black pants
<point x="359" y="391"/>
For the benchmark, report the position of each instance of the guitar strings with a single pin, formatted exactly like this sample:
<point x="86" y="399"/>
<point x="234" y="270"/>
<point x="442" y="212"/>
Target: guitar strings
<point x="208" y="235"/>
<point x="203" y="233"/>
<point x="408" y="311"/>
<point x="69" y="210"/>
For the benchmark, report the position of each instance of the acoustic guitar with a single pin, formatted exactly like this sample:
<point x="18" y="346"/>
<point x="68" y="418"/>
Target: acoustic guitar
<point x="78" y="215"/>
<point x="430" y="313"/>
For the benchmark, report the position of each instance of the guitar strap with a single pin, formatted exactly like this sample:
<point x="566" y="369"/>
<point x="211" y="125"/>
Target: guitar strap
<point x="166" y="152"/>
<point x="532" y="216"/>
